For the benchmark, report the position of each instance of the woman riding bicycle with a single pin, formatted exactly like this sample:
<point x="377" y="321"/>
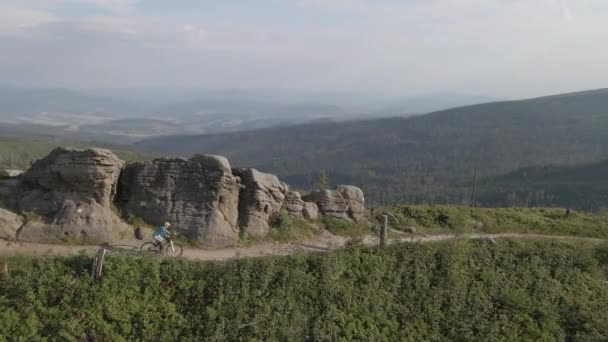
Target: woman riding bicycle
<point x="162" y="234"/>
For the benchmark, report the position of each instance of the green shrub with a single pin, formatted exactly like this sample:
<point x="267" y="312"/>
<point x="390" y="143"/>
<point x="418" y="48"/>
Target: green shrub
<point x="458" y="219"/>
<point x="284" y="228"/>
<point x="345" y="228"/>
<point x="459" y="290"/>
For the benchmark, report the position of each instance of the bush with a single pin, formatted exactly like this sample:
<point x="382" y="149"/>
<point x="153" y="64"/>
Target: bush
<point x="285" y="228"/>
<point x="459" y="290"/>
<point x="345" y="228"/>
<point x="457" y="219"/>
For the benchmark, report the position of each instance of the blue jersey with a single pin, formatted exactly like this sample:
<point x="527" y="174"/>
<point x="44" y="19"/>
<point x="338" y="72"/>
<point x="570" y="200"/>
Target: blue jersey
<point x="162" y="232"/>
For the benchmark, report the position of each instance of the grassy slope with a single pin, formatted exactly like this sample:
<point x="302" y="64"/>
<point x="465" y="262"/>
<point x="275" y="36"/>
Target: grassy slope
<point x="461" y="290"/>
<point x="456" y="219"/>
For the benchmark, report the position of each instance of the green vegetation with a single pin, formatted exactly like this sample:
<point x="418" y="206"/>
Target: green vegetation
<point x="461" y="290"/>
<point x="284" y="228"/>
<point x="322" y="181"/>
<point x="583" y="187"/>
<point x="346" y="228"/>
<point x="457" y="219"/>
<point x="20" y="153"/>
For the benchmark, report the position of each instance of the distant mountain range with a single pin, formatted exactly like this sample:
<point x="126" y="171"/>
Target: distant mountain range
<point x="128" y="115"/>
<point x="428" y="158"/>
<point x="27" y="102"/>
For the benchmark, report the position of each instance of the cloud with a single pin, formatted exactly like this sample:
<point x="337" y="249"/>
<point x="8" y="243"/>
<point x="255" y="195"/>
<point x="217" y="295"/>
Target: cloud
<point x="13" y="19"/>
<point x="506" y="48"/>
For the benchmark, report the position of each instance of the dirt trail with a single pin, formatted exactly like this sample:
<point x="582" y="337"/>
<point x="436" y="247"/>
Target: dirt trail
<point x="323" y="242"/>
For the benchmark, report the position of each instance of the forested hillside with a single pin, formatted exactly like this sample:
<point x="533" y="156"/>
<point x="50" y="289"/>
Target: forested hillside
<point x="430" y="158"/>
<point x="20" y="153"/>
<point x="462" y="290"/>
<point x="575" y="186"/>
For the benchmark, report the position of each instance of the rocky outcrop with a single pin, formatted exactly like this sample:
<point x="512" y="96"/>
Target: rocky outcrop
<point x="71" y="195"/>
<point x="261" y="197"/>
<point x="294" y="203"/>
<point x="198" y="196"/>
<point x="71" y="192"/>
<point x="346" y="202"/>
<point x="297" y="207"/>
<point x="9" y="224"/>
<point x="310" y="211"/>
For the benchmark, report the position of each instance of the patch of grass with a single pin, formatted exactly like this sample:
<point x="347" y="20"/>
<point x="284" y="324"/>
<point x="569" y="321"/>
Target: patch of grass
<point x="346" y="228"/>
<point x="284" y="228"/>
<point x="30" y="216"/>
<point x="458" y="219"/>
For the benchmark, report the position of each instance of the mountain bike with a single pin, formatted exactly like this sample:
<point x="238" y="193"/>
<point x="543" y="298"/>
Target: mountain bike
<point x="171" y="249"/>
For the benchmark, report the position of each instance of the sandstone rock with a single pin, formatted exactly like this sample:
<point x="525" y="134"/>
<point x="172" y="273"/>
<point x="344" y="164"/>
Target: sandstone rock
<point x="9" y="224"/>
<point x="91" y="173"/>
<point x="71" y="192"/>
<point x="346" y="202"/>
<point x="293" y="203"/>
<point x="261" y="197"/>
<point x="199" y="196"/>
<point x="354" y="199"/>
<point x="310" y="211"/>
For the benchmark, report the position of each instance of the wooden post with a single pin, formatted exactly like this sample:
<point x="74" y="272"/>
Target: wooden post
<point x="98" y="264"/>
<point x="384" y="232"/>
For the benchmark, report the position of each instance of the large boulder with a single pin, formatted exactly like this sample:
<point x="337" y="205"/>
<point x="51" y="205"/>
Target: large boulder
<point x="293" y="203"/>
<point x="262" y="196"/>
<point x="198" y="196"/>
<point x="9" y="224"/>
<point x="70" y="194"/>
<point x="310" y="211"/>
<point x="346" y="202"/>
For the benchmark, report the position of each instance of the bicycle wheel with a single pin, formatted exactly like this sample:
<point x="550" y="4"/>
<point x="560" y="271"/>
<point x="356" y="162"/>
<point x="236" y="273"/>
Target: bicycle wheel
<point x="173" y="250"/>
<point x="149" y="247"/>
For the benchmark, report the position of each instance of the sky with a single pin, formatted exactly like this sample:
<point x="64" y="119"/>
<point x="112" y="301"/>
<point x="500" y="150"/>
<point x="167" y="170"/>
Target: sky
<point x="502" y="48"/>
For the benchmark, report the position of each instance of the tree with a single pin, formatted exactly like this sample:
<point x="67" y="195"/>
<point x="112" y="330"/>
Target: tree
<point x="322" y="181"/>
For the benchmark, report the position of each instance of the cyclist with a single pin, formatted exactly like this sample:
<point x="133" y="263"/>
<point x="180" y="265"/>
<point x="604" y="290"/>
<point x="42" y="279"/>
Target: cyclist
<point x="161" y="235"/>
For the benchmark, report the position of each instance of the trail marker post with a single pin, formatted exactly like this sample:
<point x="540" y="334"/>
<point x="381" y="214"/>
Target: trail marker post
<point x="384" y="232"/>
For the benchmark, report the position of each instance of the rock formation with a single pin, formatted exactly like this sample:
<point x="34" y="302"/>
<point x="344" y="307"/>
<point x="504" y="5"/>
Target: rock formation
<point x="262" y="196"/>
<point x="294" y="203"/>
<point x="71" y="191"/>
<point x="198" y="196"/>
<point x="296" y="207"/>
<point x="71" y="195"/>
<point x="310" y="211"/>
<point x="346" y="202"/>
<point x="9" y="224"/>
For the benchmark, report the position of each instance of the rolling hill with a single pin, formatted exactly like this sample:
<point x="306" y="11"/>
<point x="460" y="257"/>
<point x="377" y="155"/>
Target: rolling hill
<point x="430" y="158"/>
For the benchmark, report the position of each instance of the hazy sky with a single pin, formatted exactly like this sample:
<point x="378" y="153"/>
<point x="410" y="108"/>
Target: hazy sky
<point x="507" y="48"/>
